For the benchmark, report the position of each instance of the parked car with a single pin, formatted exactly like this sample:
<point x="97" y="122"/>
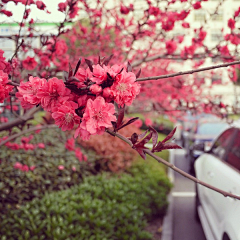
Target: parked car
<point x="201" y="137"/>
<point x="188" y="122"/>
<point x="220" y="167"/>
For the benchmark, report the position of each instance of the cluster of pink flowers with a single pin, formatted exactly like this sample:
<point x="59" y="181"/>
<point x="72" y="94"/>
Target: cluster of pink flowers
<point x="5" y="89"/>
<point x="70" y="145"/>
<point x="84" y="100"/>
<point x="23" y="168"/>
<point x="24" y="144"/>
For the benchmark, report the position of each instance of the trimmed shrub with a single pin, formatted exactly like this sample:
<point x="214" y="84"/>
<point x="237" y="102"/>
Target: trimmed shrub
<point x="102" y="207"/>
<point x="49" y="169"/>
<point x="113" y="153"/>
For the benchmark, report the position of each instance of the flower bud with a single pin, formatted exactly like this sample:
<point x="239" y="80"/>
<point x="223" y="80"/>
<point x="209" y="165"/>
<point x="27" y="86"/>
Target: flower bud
<point x="96" y="89"/>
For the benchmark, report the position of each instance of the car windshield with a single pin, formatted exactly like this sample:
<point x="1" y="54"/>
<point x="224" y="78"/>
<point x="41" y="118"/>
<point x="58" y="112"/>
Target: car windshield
<point x="212" y="128"/>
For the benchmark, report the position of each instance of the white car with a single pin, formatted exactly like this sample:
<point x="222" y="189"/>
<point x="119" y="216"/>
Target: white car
<point x="220" y="167"/>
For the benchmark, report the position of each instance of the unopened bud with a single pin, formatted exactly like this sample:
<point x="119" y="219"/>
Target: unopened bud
<point x="96" y="89"/>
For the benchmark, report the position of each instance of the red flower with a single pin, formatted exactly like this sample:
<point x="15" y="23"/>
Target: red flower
<point x="125" y="88"/>
<point x="99" y="74"/>
<point x="4" y="88"/>
<point x="18" y="165"/>
<point x="40" y="5"/>
<point x="70" y="144"/>
<point x="148" y="121"/>
<point x="124" y="10"/>
<point x="41" y="145"/>
<point x="7" y="13"/>
<point x="29" y="63"/>
<point x="171" y="46"/>
<point x="185" y="25"/>
<point x="62" y="6"/>
<point x="65" y="116"/>
<point x="27" y="91"/>
<point x="197" y="5"/>
<point x="154" y="11"/>
<point x="60" y="167"/>
<point x="53" y="94"/>
<point x="79" y="154"/>
<point x="98" y="116"/>
<point x="231" y="23"/>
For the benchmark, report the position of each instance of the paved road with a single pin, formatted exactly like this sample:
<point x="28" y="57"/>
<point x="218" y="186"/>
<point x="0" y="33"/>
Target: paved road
<point x="185" y="227"/>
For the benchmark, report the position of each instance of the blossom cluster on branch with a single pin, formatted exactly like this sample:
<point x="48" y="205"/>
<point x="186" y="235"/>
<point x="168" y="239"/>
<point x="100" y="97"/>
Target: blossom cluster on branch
<point x="85" y="99"/>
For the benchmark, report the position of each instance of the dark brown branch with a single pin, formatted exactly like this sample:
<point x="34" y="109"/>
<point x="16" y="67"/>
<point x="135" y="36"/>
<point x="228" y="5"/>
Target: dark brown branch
<point x="188" y="72"/>
<point x="27" y="116"/>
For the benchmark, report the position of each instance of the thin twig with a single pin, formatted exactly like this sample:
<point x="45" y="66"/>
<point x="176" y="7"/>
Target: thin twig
<point x="170" y="165"/>
<point x="188" y="72"/>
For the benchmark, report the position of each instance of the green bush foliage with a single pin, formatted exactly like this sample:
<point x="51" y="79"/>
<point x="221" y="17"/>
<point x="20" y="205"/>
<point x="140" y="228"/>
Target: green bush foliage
<point x="102" y="207"/>
<point x="17" y="187"/>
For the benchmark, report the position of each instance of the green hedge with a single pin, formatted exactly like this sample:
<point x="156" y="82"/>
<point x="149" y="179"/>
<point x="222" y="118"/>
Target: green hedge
<point x="102" y="207"/>
<point x="17" y="187"/>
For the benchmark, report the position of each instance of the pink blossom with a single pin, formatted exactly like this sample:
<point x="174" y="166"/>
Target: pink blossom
<point x="60" y="47"/>
<point x="65" y="116"/>
<point x="124" y="88"/>
<point x="98" y="116"/>
<point x="29" y="63"/>
<point x="4" y="88"/>
<point x="41" y="145"/>
<point x="82" y="75"/>
<point x="26" y="139"/>
<point x="82" y="133"/>
<point x="25" y="168"/>
<point x="18" y="165"/>
<point x="45" y="60"/>
<point x="124" y="9"/>
<point x="3" y="119"/>
<point x="62" y="6"/>
<point x="73" y="11"/>
<point x="70" y="144"/>
<point x="7" y="13"/>
<point x="171" y="46"/>
<point x="40" y="5"/>
<point x="154" y="11"/>
<point x="28" y="146"/>
<point x="84" y="158"/>
<point x="231" y="23"/>
<point x="99" y="74"/>
<point x="53" y="94"/>
<point x="197" y="5"/>
<point x="148" y="121"/>
<point x="60" y="167"/>
<point x="224" y="50"/>
<point x="138" y="123"/>
<point x="185" y="25"/>
<point x="182" y="15"/>
<point x="3" y="78"/>
<point x="27" y="91"/>
<point x="74" y="168"/>
<point x="32" y="168"/>
<point x="79" y="154"/>
<point x="95" y="89"/>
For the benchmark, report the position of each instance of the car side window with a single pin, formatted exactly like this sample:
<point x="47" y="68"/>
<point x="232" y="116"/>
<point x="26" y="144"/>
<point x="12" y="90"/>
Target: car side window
<point x="233" y="156"/>
<point x="219" y="148"/>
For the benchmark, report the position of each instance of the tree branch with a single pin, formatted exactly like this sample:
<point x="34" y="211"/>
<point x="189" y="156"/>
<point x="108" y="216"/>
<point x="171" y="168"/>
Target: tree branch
<point x="188" y="72"/>
<point x="173" y="167"/>
<point x="27" y="116"/>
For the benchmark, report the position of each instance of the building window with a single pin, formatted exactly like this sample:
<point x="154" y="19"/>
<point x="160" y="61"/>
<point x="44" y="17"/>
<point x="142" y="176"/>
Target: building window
<point x="218" y="16"/>
<point x="216" y="35"/>
<point x="199" y="15"/>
